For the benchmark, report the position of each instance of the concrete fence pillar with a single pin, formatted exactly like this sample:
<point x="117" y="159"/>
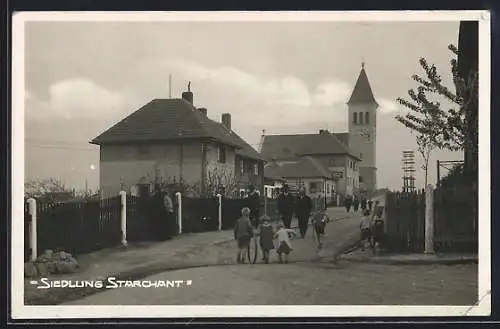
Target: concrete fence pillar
<point x="429" y="219"/>
<point x="123" y="217"/>
<point x="32" y="228"/>
<point x="219" y="201"/>
<point x="179" y="211"/>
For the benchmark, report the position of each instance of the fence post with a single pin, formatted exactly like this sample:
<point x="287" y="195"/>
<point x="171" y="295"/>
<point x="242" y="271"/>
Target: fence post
<point x="179" y="211"/>
<point x="32" y="228"/>
<point x="123" y="217"/>
<point x="219" y="198"/>
<point x="429" y="219"/>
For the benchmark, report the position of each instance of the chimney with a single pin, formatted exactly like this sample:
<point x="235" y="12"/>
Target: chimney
<point x="188" y="95"/>
<point x="226" y="120"/>
<point x="203" y="110"/>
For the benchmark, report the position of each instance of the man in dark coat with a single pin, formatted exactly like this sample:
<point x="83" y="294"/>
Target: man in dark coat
<point x="253" y="202"/>
<point x="363" y="205"/>
<point x="355" y="204"/>
<point x="348" y="203"/>
<point x="303" y="207"/>
<point x="286" y="207"/>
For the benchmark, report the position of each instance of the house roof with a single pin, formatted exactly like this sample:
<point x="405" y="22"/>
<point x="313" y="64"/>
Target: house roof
<point x="171" y="120"/>
<point x="362" y="92"/>
<point x="305" y="167"/>
<point x="293" y="146"/>
<point x="343" y="137"/>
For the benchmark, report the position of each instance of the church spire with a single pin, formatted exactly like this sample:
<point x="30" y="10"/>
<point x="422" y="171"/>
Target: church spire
<point x="362" y="92"/>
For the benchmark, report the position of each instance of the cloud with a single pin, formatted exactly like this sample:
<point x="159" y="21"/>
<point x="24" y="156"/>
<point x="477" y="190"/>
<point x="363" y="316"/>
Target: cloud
<point x="388" y="106"/>
<point x="259" y="100"/>
<point x="76" y="98"/>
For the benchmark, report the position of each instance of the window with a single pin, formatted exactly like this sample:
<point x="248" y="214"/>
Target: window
<point x="360" y="118"/>
<point x="221" y="154"/>
<point x="367" y="118"/>
<point x="355" y="118"/>
<point x="361" y="179"/>
<point x="242" y="167"/>
<point x="313" y="187"/>
<point x="256" y="169"/>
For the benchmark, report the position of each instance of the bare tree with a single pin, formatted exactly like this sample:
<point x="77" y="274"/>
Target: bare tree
<point x="38" y="187"/>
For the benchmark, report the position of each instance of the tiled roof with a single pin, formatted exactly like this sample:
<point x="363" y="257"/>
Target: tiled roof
<point x="362" y="92"/>
<point x="305" y="167"/>
<point x="294" y="146"/>
<point x="170" y="120"/>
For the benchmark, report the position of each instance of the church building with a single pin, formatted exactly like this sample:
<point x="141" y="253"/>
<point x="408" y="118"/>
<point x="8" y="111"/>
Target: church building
<point x="349" y="158"/>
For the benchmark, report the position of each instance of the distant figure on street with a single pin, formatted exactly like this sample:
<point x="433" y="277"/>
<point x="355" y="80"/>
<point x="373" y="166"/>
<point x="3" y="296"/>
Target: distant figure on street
<point x="283" y="236"/>
<point x="365" y="228"/>
<point x="303" y="208"/>
<point x="355" y="204"/>
<point x="243" y="232"/>
<point x="253" y="202"/>
<point x="375" y="211"/>
<point x="266" y="234"/>
<point x="319" y="222"/>
<point x="363" y="205"/>
<point x="286" y="207"/>
<point x="170" y="222"/>
<point x="348" y="203"/>
<point x="370" y="205"/>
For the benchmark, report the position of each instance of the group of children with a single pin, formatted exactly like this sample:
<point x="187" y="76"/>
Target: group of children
<point x="244" y="231"/>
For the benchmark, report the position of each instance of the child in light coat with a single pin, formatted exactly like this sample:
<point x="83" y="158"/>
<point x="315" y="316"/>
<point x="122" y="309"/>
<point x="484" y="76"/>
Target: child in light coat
<point x="283" y="236"/>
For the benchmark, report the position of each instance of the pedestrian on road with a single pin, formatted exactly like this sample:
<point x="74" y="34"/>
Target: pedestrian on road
<point x="253" y="202"/>
<point x="365" y="229"/>
<point x="283" y="236"/>
<point x="243" y="232"/>
<point x="319" y="222"/>
<point x="266" y="234"/>
<point x="286" y="207"/>
<point x="363" y="204"/>
<point x="355" y="204"/>
<point x="348" y="203"/>
<point x="376" y="211"/>
<point x="370" y="205"/>
<point x="303" y="207"/>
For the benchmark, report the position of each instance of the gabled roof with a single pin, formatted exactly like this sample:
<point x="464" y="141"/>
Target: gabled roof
<point x="343" y="137"/>
<point x="362" y="92"/>
<point x="294" y="146"/>
<point x="305" y="167"/>
<point x="172" y="120"/>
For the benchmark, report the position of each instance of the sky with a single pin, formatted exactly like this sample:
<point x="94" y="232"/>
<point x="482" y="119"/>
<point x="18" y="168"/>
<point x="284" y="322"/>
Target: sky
<point x="281" y="77"/>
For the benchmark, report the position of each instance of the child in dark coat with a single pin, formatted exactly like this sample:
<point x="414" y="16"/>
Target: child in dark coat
<point x="266" y="233"/>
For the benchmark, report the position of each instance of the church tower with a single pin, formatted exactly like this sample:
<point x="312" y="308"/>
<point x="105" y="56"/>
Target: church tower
<point x="362" y="110"/>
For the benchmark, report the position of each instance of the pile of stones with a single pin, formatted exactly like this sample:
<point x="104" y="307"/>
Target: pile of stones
<point x="50" y="262"/>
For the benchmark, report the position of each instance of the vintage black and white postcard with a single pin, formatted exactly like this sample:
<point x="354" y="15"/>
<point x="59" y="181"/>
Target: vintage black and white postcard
<point x="306" y="164"/>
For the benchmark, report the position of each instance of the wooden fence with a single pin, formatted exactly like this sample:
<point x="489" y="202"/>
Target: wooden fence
<point x="405" y="221"/>
<point x="455" y="220"/>
<point x="83" y="226"/>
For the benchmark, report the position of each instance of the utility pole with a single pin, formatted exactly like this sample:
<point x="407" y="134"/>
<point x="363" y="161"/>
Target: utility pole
<point x="408" y="171"/>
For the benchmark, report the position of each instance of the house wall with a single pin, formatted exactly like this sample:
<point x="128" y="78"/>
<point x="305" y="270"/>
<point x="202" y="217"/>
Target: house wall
<point x="349" y="183"/>
<point x="122" y="166"/>
<point x="247" y="176"/>
<point x="220" y="172"/>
